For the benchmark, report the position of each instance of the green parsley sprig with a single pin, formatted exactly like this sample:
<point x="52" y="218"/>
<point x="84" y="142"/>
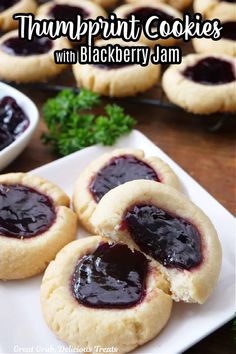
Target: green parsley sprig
<point x="72" y="126"/>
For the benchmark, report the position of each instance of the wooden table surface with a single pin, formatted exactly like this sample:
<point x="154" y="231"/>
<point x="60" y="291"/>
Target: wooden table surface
<point x="209" y="157"/>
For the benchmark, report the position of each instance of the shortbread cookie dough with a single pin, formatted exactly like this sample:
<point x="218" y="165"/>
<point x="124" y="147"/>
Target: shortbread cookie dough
<point x="142" y="11"/>
<point x="35" y="223"/>
<point x="226" y="45"/>
<point x="202" y="84"/>
<point x="215" y="8"/>
<point x="178" y="4"/>
<point x="116" y="80"/>
<point x="164" y="224"/>
<point x="69" y="9"/>
<point x="97" y="293"/>
<point x="107" y="4"/>
<point x="10" y="7"/>
<point x="109" y="171"/>
<point x="24" y="61"/>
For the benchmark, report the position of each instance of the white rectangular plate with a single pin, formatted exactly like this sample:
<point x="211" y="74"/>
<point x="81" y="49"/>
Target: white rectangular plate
<point x="21" y="324"/>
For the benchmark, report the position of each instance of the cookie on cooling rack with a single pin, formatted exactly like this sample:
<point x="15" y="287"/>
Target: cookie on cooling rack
<point x="143" y="11"/>
<point x="24" y="61"/>
<point x="164" y="224"/>
<point x="111" y="170"/>
<point x="100" y="293"/>
<point x="215" y="8"/>
<point x="116" y="80"/>
<point x="35" y="223"/>
<point x="202" y="84"/>
<point x="178" y="4"/>
<point x="69" y="9"/>
<point x="10" y="7"/>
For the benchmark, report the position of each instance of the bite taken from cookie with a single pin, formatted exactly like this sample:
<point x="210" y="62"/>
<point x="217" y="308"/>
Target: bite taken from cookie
<point x="111" y="170"/>
<point x="98" y="293"/>
<point x="35" y="223"/>
<point x="202" y="83"/>
<point x="164" y="224"/>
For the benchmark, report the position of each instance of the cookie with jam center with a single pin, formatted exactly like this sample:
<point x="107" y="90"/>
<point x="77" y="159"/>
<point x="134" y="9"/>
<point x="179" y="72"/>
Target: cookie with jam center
<point x="222" y="9"/>
<point x="116" y="79"/>
<point x="111" y="170"/>
<point x="178" y="4"/>
<point x="10" y="7"/>
<point x="143" y="11"/>
<point x="202" y="84"/>
<point x="100" y="293"/>
<point x="164" y="224"/>
<point x="69" y="9"/>
<point x="29" y="61"/>
<point x="35" y="223"/>
<point x="226" y="45"/>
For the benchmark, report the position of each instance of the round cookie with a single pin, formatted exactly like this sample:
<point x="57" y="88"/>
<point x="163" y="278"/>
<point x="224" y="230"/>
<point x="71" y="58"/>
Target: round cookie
<point x="66" y="9"/>
<point x="11" y="7"/>
<point x="35" y="223"/>
<point x="215" y="8"/>
<point x="24" y="61"/>
<point x="202" y="84"/>
<point x="227" y="43"/>
<point x="116" y="80"/>
<point x="169" y="228"/>
<point x="142" y="11"/>
<point x="114" y="312"/>
<point x="112" y="169"/>
<point x="178" y="4"/>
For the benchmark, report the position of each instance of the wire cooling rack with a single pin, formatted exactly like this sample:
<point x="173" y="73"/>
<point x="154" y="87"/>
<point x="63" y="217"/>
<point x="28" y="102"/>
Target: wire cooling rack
<point x="213" y="122"/>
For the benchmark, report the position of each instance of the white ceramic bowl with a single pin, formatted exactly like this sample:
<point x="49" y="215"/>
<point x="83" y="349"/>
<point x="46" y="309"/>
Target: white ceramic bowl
<point x="8" y="154"/>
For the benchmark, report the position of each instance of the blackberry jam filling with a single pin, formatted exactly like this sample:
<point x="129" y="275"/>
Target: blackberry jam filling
<point x="143" y="14"/>
<point x="172" y="241"/>
<point x="210" y="71"/>
<point x="120" y="170"/>
<point x="13" y="121"/>
<point x="229" y="30"/>
<point x="24" y="212"/>
<point x="111" y="277"/>
<point x="67" y="12"/>
<point x="21" y="47"/>
<point x="5" y="4"/>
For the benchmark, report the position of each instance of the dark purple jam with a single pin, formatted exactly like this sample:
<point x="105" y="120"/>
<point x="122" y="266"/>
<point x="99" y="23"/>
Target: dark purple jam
<point x="13" y="121"/>
<point x="111" y="277"/>
<point x="172" y="241"/>
<point x="143" y="14"/>
<point x="67" y="12"/>
<point x="21" y="47"/>
<point x="210" y="71"/>
<point x="24" y="212"/>
<point x="229" y="30"/>
<point x="5" y="4"/>
<point x="232" y="1"/>
<point x="118" y="171"/>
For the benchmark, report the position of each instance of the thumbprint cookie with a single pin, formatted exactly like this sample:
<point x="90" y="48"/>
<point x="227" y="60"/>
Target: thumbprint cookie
<point x="202" y="84"/>
<point x="215" y="8"/>
<point x="69" y="9"/>
<point x="29" y="61"/>
<point x="116" y="79"/>
<point x="165" y="225"/>
<point x="98" y="293"/>
<point x="111" y="170"/>
<point x="143" y="11"/>
<point x="227" y="43"/>
<point x="35" y="223"/>
<point x="10" y="7"/>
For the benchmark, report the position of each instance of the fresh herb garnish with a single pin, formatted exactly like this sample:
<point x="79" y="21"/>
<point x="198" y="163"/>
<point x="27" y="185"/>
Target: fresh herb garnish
<point x="71" y="125"/>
